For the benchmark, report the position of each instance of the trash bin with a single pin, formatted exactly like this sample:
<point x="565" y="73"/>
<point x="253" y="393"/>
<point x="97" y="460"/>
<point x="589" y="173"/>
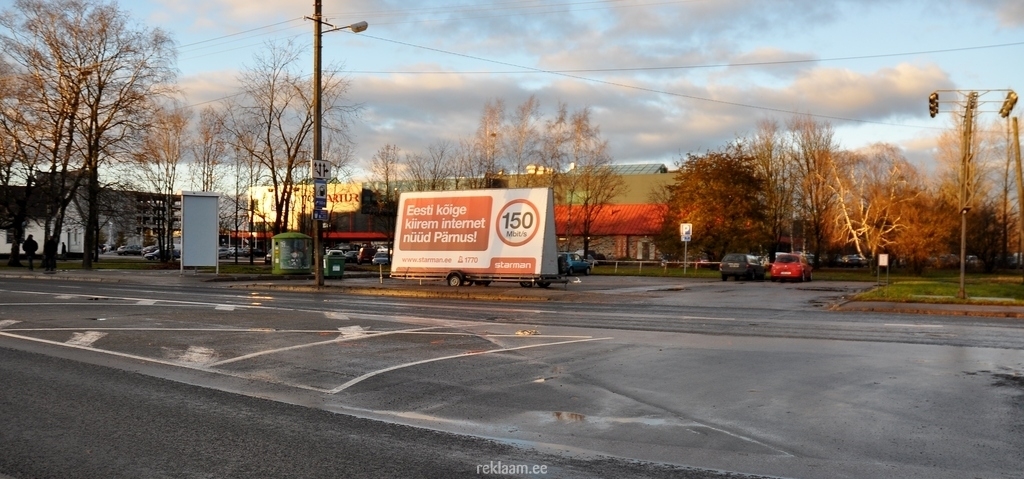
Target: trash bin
<point x="292" y="254"/>
<point x="334" y="265"/>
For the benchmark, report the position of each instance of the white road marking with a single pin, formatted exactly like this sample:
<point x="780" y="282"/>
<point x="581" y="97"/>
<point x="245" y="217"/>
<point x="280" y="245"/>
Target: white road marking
<point x="225" y="307"/>
<point x="8" y="322"/>
<point x="309" y="345"/>
<point x="197" y="355"/>
<point x="145" y="302"/>
<point x="162" y="361"/>
<point x="369" y="375"/>
<point x="902" y="325"/>
<point x="336" y="315"/>
<point x="353" y="331"/>
<point x="85" y="339"/>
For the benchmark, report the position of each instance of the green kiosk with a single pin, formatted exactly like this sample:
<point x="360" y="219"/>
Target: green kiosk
<point x="292" y="254"/>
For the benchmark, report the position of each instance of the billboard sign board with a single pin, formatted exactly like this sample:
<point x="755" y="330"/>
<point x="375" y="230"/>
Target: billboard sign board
<point x="496" y="231"/>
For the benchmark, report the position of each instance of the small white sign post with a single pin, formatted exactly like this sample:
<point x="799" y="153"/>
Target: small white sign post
<point x="685" y="231"/>
<point x="883" y="261"/>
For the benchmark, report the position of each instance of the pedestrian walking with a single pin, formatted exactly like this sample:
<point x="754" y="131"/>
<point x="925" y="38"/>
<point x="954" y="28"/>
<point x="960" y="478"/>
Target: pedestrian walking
<point x="29" y="246"/>
<point x="50" y="254"/>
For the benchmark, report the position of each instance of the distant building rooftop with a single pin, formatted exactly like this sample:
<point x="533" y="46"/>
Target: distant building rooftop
<point x="640" y="169"/>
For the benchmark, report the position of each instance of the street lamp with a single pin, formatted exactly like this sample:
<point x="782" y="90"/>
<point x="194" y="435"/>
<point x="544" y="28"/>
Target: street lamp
<point x="317" y="159"/>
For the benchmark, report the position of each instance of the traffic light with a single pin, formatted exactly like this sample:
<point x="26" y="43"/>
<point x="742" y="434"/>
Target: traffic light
<point x="1011" y="100"/>
<point x="933" y="104"/>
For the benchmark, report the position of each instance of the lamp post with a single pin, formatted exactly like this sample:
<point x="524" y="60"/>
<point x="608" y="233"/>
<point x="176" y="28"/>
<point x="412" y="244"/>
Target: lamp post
<point x="317" y="159"/>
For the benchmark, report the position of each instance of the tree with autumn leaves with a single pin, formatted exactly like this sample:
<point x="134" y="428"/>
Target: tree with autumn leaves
<point x="796" y="189"/>
<point x="719" y="193"/>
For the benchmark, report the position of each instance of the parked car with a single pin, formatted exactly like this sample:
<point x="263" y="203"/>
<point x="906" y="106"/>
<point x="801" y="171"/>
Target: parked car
<point x="155" y="254"/>
<point x="791" y="266"/>
<point x="853" y="261"/>
<point x="381" y="258"/>
<point x="572" y="263"/>
<point x="592" y="257"/>
<point x="351" y="255"/>
<point x="739" y="265"/>
<point x="366" y="254"/>
<point x="129" y="249"/>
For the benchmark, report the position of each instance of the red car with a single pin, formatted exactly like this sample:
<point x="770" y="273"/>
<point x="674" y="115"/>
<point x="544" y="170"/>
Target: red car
<point x="791" y="266"/>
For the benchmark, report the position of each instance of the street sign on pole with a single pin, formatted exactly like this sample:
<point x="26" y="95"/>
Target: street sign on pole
<point x="685" y="231"/>
<point x="321" y="169"/>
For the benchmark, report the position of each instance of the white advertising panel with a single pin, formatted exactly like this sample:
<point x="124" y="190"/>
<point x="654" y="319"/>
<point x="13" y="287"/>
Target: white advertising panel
<point x="199" y="228"/>
<point x="496" y="231"/>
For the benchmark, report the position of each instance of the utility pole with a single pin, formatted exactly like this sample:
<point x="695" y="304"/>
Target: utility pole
<point x="1020" y="195"/>
<point x="966" y="164"/>
<point x="317" y="141"/>
<point x="319" y="168"/>
<point x="965" y="176"/>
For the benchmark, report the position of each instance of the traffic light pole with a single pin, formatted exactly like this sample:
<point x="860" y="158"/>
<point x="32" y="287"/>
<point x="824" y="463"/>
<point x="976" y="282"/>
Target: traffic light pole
<point x="965" y="167"/>
<point x="965" y="175"/>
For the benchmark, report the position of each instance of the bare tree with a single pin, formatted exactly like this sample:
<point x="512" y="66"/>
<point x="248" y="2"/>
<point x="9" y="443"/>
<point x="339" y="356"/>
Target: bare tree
<point x="768" y="148"/>
<point x="556" y="137"/>
<point x="469" y="171"/>
<point x="156" y="164"/>
<point x="813" y="154"/>
<point x="522" y="142"/>
<point x="274" y="123"/>
<point x="433" y="171"/>
<point x="872" y="196"/>
<point x="488" y="142"/>
<point x="590" y="183"/>
<point x="100" y="75"/>
<point x="209" y="151"/>
<point x="385" y="171"/>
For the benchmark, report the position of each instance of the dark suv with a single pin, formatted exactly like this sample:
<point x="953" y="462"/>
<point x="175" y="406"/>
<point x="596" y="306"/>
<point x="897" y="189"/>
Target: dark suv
<point x="745" y="266"/>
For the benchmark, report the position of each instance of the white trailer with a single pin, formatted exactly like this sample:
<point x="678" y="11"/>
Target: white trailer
<point x="477" y="236"/>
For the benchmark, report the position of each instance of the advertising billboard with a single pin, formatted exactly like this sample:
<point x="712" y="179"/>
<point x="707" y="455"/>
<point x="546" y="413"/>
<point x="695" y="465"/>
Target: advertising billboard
<point x="494" y="231"/>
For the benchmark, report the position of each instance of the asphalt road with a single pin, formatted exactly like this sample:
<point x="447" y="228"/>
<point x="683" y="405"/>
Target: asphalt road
<point x="751" y="376"/>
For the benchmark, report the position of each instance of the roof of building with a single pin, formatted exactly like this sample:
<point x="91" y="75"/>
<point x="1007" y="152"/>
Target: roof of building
<point x="628" y="220"/>
<point x="640" y="169"/>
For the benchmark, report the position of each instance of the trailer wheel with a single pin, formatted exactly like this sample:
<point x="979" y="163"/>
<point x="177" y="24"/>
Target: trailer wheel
<point x="455" y="279"/>
<point x="543" y="284"/>
<point x="526" y="284"/>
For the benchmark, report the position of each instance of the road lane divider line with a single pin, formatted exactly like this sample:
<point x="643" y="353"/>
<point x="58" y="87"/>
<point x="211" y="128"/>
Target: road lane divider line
<point x="371" y="374"/>
<point x="907" y="325"/>
<point x="8" y="322"/>
<point x="343" y="337"/>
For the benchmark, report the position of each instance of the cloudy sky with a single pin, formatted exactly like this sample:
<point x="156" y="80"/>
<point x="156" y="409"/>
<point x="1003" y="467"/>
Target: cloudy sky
<point x="662" y="77"/>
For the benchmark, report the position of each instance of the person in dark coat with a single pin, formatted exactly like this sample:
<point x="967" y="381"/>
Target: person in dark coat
<point x="29" y="246"/>
<point x="50" y="254"/>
